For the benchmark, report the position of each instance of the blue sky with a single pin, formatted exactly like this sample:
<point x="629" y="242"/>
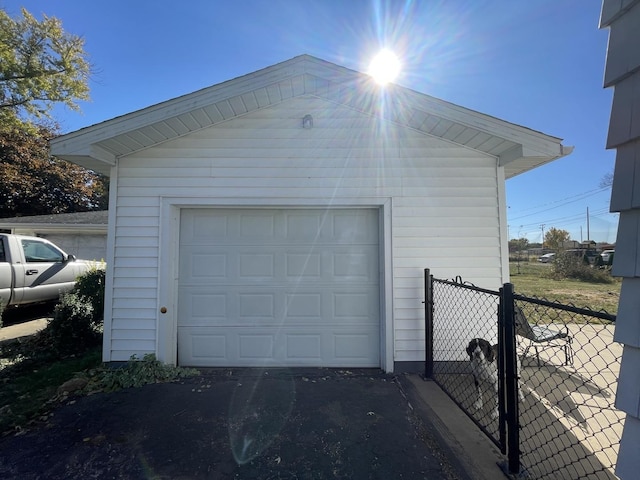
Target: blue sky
<point x="536" y="63"/>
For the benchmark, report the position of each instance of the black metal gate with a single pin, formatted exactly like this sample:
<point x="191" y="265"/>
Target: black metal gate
<point x="466" y="312"/>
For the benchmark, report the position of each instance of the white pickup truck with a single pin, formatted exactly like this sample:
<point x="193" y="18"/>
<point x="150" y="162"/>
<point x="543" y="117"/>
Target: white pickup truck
<point x="34" y="270"/>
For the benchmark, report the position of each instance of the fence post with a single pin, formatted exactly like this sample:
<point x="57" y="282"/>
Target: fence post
<point x="511" y="378"/>
<point x="428" y="324"/>
<point x="502" y="426"/>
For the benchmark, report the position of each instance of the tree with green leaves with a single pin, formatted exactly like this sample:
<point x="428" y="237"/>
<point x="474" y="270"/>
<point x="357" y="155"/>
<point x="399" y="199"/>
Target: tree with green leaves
<point x="35" y="183"/>
<point x="40" y="65"/>
<point x="518" y="244"/>
<point x="554" y="238"/>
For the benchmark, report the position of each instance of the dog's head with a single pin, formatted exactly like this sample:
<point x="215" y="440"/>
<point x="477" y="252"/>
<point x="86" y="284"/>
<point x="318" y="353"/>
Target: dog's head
<point x="480" y="349"/>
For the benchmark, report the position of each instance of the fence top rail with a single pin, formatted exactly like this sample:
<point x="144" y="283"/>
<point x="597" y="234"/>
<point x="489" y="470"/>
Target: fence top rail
<point x="569" y="308"/>
<point x="457" y="282"/>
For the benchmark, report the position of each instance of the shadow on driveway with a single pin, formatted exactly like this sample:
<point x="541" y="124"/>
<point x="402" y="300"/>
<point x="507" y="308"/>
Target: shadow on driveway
<point x="241" y="423"/>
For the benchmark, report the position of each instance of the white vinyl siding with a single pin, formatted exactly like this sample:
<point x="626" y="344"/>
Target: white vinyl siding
<point x="443" y="197"/>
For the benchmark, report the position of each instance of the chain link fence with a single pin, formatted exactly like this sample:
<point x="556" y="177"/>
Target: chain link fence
<point x="566" y="426"/>
<point x="569" y="426"/>
<point x="462" y="312"/>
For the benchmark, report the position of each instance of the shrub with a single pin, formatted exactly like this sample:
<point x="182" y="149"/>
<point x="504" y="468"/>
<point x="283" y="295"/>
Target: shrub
<point x="77" y="320"/>
<point x="72" y="329"/>
<point x="90" y="287"/>
<point x="567" y="265"/>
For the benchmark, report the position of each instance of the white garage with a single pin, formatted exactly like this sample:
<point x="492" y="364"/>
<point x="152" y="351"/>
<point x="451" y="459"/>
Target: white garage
<point x="279" y="287"/>
<point x="285" y="217"/>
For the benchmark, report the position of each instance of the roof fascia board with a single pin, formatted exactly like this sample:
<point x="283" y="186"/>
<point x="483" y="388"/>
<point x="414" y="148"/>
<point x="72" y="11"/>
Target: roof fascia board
<point x="542" y="143"/>
<point x="520" y="152"/>
<point x="539" y="141"/>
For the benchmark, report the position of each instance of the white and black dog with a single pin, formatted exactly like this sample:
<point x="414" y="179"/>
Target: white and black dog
<point x="484" y="367"/>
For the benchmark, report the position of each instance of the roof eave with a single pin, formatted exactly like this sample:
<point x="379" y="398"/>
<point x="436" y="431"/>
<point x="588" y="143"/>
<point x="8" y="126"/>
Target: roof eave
<point x="97" y="147"/>
<point x="521" y="159"/>
<point x="55" y="227"/>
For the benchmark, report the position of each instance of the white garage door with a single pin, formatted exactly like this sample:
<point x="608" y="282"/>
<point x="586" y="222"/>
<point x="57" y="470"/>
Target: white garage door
<point x="275" y="287"/>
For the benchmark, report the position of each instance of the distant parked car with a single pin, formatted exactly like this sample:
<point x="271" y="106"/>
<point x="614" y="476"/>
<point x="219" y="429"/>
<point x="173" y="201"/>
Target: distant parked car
<point x="546" y="258"/>
<point x="607" y="256"/>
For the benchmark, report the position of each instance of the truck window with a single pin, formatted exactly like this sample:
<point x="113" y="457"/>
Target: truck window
<point x="35" y="251"/>
<point x="3" y="256"/>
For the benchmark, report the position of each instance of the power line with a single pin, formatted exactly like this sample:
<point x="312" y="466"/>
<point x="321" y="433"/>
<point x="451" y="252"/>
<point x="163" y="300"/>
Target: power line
<point x="587" y="192"/>
<point x="581" y="216"/>
<point x="567" y="201"/>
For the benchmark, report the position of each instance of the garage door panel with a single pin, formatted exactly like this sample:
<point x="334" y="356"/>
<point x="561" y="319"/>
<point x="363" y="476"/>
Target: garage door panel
<point x="241" y="264"/>
<point x="199" y="264"/>
<point x="257" y="307"/>
<point x="204" y="346"/>
<point x="303" y="265"/>
<point x="199" y="226"/>
<point x="257" y="226"/>
<point x="238" y="305"/>
<point x="207" y="306"/>
<point x="354" y="226"/>
<point x="353" y="347"/>
<point x="255" y="347"/>
<point x="358" y="266"/>
<point x="354" y="307"/>
<point x="339" y="226"/>
<point x="303" y="226"/>
<point x="256" y="266"/>
<point x="304" y="306"/>
<point x="279" y="287"/>
<point x="266" y="347"/>
<point x="304" y="347"/>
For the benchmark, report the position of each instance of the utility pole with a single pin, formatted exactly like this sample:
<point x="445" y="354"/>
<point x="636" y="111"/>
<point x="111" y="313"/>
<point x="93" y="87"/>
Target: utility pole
<point x="588" y="236"/>
<point x="542" y="227"/>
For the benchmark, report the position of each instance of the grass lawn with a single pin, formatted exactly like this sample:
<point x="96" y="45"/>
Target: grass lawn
<point x="531" y="279"/>
<point x="27" y="386"/>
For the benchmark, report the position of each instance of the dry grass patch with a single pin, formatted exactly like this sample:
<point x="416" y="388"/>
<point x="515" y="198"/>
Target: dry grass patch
<point x="532" y="279"/>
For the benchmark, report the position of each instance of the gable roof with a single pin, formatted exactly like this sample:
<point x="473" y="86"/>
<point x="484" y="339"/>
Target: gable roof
<point x="97" y="147"/>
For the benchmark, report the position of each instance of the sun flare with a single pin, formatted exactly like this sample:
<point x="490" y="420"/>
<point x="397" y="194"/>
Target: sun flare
<point x="384" y="67"/>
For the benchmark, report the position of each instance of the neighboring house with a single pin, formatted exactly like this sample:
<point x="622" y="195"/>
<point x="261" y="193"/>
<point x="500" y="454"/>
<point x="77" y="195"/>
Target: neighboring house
<point x="82" y="234"/>
<point x="284" y="218"/>
<point x="622" y="72"/>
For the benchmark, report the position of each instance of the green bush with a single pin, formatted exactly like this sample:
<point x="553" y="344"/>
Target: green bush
<point x="567" y="265"/>
<point x="72" y="329"/>
<point x="77" y="320"/>
<point x="90" y="286"/>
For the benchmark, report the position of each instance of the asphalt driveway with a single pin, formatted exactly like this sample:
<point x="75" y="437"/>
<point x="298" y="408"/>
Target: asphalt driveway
<point x="263" y="424"/>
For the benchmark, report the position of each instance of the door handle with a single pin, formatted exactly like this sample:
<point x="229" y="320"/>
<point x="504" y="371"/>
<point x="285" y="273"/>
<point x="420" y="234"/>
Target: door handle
<point x="31" y="272"/>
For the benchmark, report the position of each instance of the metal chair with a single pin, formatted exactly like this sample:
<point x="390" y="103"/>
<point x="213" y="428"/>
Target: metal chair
<point x="543" y="335"/>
